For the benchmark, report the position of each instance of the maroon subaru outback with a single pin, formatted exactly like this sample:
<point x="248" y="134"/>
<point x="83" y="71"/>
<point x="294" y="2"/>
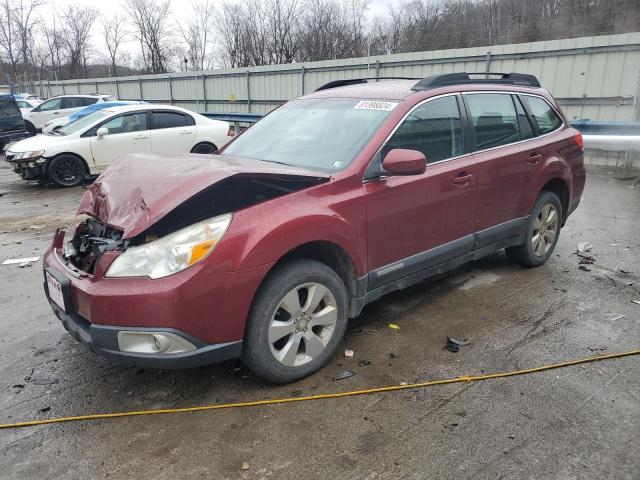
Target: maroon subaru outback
<point x="332" y="200"/>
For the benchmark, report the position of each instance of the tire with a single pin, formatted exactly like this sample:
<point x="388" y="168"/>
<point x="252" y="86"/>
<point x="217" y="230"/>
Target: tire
<point x="536" y="252"/>
<point x="309" y="336"/>
<point x="204" y="148"/>
<point x="66" y="171"/>
<point x="30" y="128"/>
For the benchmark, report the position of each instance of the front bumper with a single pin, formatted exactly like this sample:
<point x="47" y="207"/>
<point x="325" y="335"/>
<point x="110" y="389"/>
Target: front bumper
<point x="205" y="305"/>
<point x="29" y="169"/>
<point x="103" y="340"/>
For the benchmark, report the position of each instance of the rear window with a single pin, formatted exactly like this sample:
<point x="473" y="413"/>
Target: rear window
<point x="8" y="107"/>
<point x="543" y="115"/>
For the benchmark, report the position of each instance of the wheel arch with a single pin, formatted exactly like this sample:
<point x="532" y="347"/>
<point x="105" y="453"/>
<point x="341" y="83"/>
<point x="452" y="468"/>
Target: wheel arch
<point x="73" y="154"/>
<point x="560" y="187"/>
<point x="204" y="142"/>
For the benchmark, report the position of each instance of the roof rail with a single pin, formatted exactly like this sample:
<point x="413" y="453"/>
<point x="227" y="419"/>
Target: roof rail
<point x="356" y="81"/>
<point x="434" y="81"/>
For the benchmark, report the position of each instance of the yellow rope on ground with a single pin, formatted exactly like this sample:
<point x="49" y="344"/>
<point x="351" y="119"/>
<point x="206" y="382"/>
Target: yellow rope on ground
<point x="322" y="396"/>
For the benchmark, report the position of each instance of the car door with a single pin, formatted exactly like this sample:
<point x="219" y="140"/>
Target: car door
<point x="416" y="222"/>
<point x="45" y="111"/>
<point x="127" y="133"/>
<point x="504" y="162"/>
<point x="171" y="131"/>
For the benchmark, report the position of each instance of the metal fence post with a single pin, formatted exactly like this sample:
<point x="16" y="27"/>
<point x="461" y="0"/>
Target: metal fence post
<point x="63" y="89"/>
<point x="117" y="89"/>
<point x="204" y="91"/>
<point x="97" y="88"/>
<point x="302" y="80"/>
<point x="487" y="64"/>
<point x="49" y="87"/>
<point x="78" y="86"/>
<point x="140" y="88"/>
<point x="170" y="90"/>
<point x="248" y="93"/>
<point x="377" y="68"/>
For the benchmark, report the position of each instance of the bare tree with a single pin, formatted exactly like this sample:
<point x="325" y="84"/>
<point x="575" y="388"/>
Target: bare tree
<point x="114" y="33"/>
<point x="196" y="34"/>
<point x="8" y="36"/>
<point x="150" y="19"/>
<point x="77" y="23"/>
<point x="54" y="44"/>
<point x="25" y="20"/>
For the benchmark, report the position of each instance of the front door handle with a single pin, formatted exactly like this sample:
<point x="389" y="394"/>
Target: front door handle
<point x="185" y="132"/>
<point x="534" y="158"/>
<point x="463" y="179"/>
<point x="140" y="137"/>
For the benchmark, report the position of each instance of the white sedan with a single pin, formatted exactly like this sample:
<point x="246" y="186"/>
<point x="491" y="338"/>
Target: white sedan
<point x="88" y="145"/>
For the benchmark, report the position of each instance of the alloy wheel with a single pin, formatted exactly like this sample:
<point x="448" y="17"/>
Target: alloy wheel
<point x="302" y="324"/>
<point x="545" y="229"/>
<point x="67" y="170"/>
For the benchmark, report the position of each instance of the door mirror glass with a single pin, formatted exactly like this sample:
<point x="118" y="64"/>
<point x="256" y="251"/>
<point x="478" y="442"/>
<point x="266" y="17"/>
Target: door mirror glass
<point x="400" y="161"/>
<point x="102" y="131"/>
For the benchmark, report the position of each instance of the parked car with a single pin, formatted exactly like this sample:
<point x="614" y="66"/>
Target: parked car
<point x="88" y="145"/>
<point x="59" y="107"/>
<point x="61" y="122"/>
<point x="326" y="204"/>
<point x="11" y="124"/>
<point x="26" y="104"/>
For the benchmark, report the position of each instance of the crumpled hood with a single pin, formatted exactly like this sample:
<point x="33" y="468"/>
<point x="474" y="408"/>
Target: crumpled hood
<point x="136" y="191"/>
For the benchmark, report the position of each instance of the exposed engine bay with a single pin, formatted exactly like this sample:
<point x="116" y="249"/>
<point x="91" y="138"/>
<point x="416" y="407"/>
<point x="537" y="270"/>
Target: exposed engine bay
<point x="93" y="238"/>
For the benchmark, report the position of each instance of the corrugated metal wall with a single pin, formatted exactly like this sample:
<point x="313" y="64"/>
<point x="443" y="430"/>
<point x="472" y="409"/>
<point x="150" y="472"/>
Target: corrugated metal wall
<point x="593" y="77"/>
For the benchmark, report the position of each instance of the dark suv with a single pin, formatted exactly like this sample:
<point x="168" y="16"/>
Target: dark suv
<point x="327" y="203"/>
<point x="11" y="122"/>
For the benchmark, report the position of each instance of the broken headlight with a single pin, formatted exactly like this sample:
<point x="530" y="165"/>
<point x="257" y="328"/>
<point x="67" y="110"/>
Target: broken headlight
<point x="172" y="253"/>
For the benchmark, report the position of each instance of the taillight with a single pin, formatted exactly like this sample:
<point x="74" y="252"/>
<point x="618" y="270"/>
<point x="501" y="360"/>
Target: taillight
<point x="579" y="141"/>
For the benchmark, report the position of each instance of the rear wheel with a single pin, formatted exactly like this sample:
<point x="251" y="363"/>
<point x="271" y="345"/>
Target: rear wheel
<point x="296" y="321"/>
<point x="542" y="234"/>
<point x="66" y="171"/>
<point x="204" y="148"/>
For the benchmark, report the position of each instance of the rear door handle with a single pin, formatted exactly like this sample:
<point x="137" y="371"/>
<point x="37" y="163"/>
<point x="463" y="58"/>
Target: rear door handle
<point x="140" y="137"/>
<point x="185" y="132"/>
<point x="534" y="158"/>
<point x="463" y="178"/>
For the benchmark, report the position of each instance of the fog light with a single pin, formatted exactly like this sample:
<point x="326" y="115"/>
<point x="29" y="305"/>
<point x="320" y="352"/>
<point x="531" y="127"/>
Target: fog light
<point x="153" y="342"/>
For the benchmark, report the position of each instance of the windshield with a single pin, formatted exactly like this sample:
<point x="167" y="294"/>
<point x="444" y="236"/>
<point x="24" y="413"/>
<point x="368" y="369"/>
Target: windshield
<point x="317" y="133"/>
<point x="82" y="123"/>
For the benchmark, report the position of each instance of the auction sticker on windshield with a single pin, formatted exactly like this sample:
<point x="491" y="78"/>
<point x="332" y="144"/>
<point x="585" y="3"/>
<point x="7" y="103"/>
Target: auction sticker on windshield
<point x="55" y="290"/>
<point x="375" y="105"/>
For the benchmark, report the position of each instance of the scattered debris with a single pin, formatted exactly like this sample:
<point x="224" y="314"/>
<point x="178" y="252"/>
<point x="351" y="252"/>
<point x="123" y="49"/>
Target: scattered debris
<point x="637" y="302"/>
<point x="403" y="384"/>
<point x="13" y="261"/>
<point x="394" y="355"/>
<point x="617" y="317"/>
<point x="586" y="259"/>
<point x="454" y="345"/>
<point x="45" y="409"/>
<point x="44" y="380"/>
<point x="348" y="353"/>
<point x="345" y="374"/>
<point x="367" y="330"/>
<point x="511" y="437"/>
<point x="584" y="268"/>
<point x="18" y="385"/>
<point x="364" y="363"/>
<point x="584" y="247"/>
<point x="393" y="326"/>
<point x="245" y="465"/>
<point x="296" y="393"/>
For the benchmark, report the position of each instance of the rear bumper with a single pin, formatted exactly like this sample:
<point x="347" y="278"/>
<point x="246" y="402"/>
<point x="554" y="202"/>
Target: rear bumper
<point x="103" y="340"/>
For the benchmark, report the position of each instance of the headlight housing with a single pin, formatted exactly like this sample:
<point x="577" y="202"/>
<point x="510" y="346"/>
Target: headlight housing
<point x="172" y="253"/>
<point x="30" y="155"/>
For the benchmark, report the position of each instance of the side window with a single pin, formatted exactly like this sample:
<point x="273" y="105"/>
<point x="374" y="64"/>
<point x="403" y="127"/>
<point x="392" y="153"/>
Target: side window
<point x="433" y="128"/>
<point x="526" y="130"/>
<point x="545" y="117"/>
<point x="190" y="121"/>
<point x="53" y="104"/>
<point x="168" y="120"/>
<point x="86" y="101"/>
<point x="72" y="102"/>
<point x="23" y="104"/>
<point x="493" y="117"/>
<point x="8" y="107"/>
<point x="133" y="122"/>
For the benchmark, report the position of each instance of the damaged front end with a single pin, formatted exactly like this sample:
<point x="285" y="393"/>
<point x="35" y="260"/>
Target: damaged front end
<point x="164" y="223"/>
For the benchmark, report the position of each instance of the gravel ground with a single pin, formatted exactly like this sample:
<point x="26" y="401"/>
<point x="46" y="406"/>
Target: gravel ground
<point x="578" y="422"/>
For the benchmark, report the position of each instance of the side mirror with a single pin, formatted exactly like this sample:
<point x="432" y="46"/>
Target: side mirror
<point x="400" y="161"/>
<point x="102" y="131"/>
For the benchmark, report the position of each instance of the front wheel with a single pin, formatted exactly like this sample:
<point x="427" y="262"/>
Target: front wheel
<point x="296" y="321"/>
<point x="66" y="171"/>
<point x="542" y="233"/>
